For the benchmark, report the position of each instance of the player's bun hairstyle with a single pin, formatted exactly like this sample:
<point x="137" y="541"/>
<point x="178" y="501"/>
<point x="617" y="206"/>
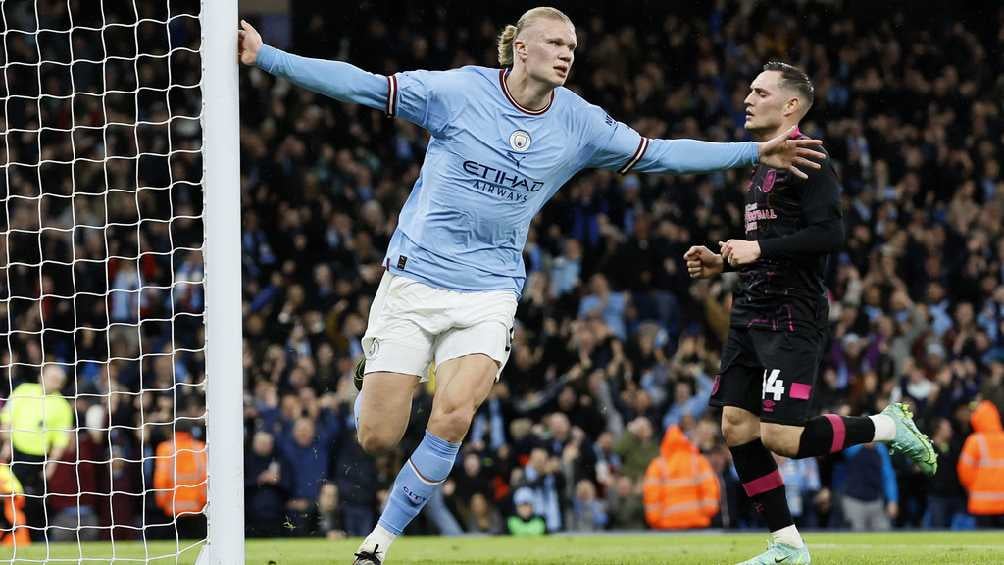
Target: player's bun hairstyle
<point x="510" y="32"/>
<point x="793" y="78"/>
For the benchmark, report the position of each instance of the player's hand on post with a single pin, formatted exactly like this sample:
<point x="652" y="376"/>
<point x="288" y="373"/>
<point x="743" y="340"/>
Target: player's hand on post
<point x="795" y="155"/>
<point x="248" y="43"/>
<point x="740" y="252"/>
<point x="702" y="263"/>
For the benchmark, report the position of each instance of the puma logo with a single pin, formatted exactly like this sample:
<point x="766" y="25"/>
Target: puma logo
<point x="514" y="159"/>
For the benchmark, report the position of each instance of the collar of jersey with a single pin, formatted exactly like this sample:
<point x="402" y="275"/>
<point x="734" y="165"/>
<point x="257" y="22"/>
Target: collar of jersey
<point x="505" y="90"/>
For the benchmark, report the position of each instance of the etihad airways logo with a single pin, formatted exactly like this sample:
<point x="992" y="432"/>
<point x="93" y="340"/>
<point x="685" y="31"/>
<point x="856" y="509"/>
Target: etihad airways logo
<point x="506" y="185"/>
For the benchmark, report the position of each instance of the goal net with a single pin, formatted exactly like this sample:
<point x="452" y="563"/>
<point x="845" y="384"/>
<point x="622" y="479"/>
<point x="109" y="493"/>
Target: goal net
<point x="103" y="286"/>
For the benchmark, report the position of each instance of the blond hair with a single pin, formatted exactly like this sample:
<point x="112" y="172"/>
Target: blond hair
<point x="510" y="32"/>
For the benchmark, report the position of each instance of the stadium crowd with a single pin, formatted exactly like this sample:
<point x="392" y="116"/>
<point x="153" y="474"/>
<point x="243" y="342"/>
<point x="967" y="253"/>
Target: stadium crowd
<point x="616" y="348"/>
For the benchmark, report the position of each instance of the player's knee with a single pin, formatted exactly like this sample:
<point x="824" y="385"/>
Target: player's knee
<point x="375" y="440"/>
<point x="738" y="428"/>
<point x="451" y="420"/>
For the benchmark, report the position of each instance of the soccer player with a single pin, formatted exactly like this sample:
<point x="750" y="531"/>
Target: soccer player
<point x="503" y="141"/>
<point x="779" y="322"/>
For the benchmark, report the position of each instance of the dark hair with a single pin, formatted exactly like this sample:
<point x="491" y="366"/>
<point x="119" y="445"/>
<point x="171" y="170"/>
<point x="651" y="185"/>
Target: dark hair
<point x="793" y="78"/>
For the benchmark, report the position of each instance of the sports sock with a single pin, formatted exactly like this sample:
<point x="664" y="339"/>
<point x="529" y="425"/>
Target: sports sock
<point x="885" y="428"/>
<point x="830" y="433"/>
<point x="763" y="484"/>
<point x="425" y="471"/>
<point x="788" y="536"/>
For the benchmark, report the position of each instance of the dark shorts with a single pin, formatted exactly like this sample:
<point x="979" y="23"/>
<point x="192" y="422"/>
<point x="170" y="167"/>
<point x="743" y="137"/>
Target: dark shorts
<point x="771" y="374"/>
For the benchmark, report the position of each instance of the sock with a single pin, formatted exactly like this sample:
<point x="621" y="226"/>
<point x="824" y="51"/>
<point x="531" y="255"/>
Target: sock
<point x="763" y="484"/>
<point x="428" y="467"/>
<point x="885" y="428"/>
<point x="788" y="536"/>
<point x="830" y="433"/>
<point x="379" y="541"/>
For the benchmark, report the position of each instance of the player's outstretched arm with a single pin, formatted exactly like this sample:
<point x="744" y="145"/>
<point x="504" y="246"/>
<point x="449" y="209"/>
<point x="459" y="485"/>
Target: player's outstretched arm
<point x="614" y="145"/>
<point x="336" y="79"/>
<point x="689" y="156"/>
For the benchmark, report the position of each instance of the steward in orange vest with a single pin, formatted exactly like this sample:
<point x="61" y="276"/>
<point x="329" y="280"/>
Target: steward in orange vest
<point x="180" y="474"/>
<point x="680" y="489"/>
<point x="981" y="465"/>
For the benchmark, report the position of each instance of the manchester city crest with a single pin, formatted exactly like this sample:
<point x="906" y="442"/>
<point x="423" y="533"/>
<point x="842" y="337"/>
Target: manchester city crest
<point x="519" y="141"/>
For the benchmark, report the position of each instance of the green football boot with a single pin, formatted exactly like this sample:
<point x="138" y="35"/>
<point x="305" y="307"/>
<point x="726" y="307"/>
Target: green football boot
<point x="909" y="441"/>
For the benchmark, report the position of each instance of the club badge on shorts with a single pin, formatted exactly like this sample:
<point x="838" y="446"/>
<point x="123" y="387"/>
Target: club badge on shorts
<point x="519" y="141"/>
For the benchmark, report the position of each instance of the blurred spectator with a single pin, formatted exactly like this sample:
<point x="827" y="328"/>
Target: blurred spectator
<point x="306" y="449"/>
<point x="525" y="522"/>
<point x="680" y="489"/>
<point x="330" y="521"/>
<point x="587" y="513"/>
<point x="601" y="303"/>
<point x="80" y="481"/>
<point x="637" y="448"/>
<point x="542" y="479"/>
<point x="626" y="507"/>
<point x="981" y="467"/>
<point x="946" y="498"/>
<point x="483" y="517"/>
<point x="266" y="487"/>
<point x="801" y="488"/>
<point x="870" y="497"/>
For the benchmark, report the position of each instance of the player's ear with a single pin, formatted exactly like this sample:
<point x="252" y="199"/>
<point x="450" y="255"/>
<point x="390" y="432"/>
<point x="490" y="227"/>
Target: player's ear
<point x="519" y="49"/>
<point x="793" y="106"/>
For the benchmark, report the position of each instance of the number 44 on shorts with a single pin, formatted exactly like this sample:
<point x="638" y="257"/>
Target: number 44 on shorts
<point x="772" y="384"/>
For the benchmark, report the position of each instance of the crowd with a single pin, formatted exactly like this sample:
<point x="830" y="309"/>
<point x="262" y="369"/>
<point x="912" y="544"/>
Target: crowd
<point x="604" y="399"/>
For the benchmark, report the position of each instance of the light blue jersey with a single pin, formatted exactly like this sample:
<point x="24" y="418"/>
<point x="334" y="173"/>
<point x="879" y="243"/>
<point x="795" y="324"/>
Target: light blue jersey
<point x="491" y="164"/>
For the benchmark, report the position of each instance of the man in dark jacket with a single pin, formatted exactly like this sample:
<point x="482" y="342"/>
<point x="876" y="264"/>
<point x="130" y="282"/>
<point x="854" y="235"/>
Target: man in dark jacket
<point x="266" y="487"/>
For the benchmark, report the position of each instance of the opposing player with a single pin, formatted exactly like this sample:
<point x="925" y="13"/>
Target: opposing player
<point x="779" y="322"/>
<point x="503" y="141"/>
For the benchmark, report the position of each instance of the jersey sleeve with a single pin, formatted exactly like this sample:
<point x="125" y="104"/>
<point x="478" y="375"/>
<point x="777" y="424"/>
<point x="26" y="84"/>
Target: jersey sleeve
<point x="821" y="213"/>
<point x="425" y="98"/>
<point x="337" y="79"/>
<point x="615" y="145"/>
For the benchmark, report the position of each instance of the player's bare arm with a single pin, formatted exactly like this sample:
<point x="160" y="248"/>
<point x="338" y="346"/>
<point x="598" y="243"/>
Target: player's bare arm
<point x="703" y="263"/>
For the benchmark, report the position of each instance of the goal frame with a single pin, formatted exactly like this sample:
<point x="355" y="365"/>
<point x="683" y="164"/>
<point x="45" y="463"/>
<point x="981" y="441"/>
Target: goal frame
<point x="224" y="371"/>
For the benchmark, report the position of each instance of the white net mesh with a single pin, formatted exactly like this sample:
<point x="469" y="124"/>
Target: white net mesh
<point x="102" y="281"/>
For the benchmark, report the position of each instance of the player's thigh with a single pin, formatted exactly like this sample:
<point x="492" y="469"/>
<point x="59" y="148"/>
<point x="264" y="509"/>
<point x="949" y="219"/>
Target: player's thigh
<point x="791" y="364"/>
<point x="737" y="387"/>
<point x="385" y="407"/>
<point x="462" y="384"/>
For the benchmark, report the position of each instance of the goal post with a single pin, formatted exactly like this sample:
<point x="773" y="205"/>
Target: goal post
<point x="224" y="376"/>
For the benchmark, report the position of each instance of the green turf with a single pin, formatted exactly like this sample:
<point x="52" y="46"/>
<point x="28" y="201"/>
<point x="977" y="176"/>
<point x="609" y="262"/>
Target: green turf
<point x="686" y="549"/>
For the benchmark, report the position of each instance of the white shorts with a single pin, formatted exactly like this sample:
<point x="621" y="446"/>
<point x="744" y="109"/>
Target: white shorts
<point x="412" y="324"/>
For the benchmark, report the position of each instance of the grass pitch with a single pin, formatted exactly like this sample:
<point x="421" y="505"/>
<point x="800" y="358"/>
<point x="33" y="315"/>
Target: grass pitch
<point x="913" y="548"/>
